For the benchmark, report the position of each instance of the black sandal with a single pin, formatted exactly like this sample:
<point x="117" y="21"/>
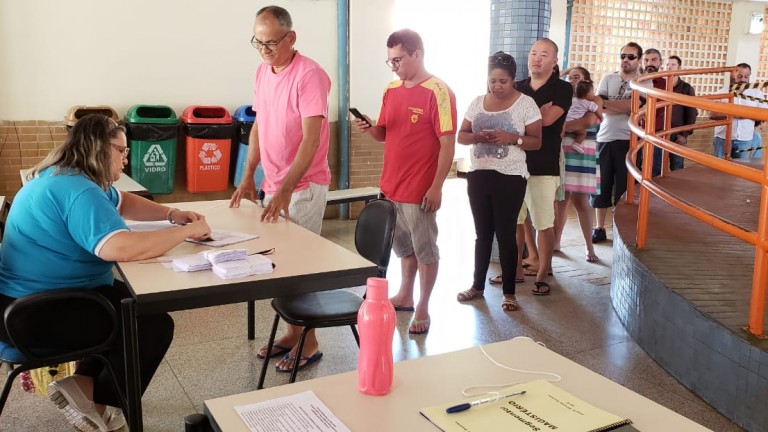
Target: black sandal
<point x="540" y="292"/>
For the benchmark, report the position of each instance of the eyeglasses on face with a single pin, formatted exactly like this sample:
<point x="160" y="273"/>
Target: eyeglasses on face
<point x="394" y="63"/>
<point x="629" y="56"/>
<point x="123" y="150"/>
<point x="499" y="59"/>
<point x="271" y="46"/>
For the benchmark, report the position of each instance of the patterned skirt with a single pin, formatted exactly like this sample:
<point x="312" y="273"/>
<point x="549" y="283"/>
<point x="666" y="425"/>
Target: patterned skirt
<point x="582" y="174"/>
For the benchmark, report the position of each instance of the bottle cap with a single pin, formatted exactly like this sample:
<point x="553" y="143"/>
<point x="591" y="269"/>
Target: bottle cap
<point x="377" y="288"/>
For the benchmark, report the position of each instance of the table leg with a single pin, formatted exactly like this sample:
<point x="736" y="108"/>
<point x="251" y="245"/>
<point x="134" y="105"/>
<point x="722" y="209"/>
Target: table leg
<point x="132" y="381"/>
<point x="251" y="320"/>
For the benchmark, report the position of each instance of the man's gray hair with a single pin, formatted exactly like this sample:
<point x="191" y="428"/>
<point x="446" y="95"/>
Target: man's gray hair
<point x="281" y="15"/>
<point x="652" y="51"/>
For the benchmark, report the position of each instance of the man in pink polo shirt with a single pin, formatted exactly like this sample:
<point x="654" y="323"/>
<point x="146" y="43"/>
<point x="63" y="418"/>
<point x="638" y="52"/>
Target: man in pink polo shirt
<point x="290" y="139"/>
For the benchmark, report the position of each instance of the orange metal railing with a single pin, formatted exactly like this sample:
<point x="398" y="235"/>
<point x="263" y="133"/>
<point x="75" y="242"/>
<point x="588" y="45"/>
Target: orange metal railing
<point x="658" y="98"/>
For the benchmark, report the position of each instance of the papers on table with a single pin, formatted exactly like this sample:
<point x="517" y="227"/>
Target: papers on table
<point x="225" y="238"/>
<point x="299" y="412"/>
<point x="191" y="263"/>
<point x="220" y="237"/>
<point x="226" y="264"/>
<point x="251" y="265"/>
<point x="221" y="256"/>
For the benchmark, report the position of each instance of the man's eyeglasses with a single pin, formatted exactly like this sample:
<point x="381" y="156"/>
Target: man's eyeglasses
<point x="394" y="63"/>
<point x="629" y="56"/>
<point x="271" y="46"/>
<point x="123" y="150"/>
<point x="505" y="60"/>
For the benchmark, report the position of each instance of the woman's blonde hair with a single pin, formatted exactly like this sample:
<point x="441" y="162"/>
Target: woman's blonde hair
<point x="87" y="150"/>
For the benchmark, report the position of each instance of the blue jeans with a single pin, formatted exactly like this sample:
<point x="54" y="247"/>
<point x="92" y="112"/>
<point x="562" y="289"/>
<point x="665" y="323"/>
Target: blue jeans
<point x="719" y="144"/>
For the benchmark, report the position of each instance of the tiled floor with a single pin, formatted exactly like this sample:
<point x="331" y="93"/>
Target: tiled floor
<point x="211" y="356"/>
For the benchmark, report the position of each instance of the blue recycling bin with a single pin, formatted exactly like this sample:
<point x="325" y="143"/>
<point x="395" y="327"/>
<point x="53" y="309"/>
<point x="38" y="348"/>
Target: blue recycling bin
<point x="245" y="117"/>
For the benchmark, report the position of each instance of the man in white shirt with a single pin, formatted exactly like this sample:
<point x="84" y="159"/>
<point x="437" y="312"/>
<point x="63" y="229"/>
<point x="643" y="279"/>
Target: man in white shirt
<point x="743" y="129"/>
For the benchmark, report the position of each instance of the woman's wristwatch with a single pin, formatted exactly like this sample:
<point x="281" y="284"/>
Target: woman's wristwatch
<point x="519" y="141"/>
<point x="169" y="215"/>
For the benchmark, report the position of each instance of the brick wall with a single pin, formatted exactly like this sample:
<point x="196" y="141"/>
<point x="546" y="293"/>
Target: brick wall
<point x="22" y="145"/>
<point x="25" y="143"/>
<point x="366" y="162"/>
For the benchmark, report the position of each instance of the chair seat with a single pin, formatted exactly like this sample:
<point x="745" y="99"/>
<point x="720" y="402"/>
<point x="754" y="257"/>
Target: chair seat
<point x="320" y="309"/>
<point x="9" y="354"/>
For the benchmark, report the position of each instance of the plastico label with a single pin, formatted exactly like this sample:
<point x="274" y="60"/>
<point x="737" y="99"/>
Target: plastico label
<point x="210" y="155"/>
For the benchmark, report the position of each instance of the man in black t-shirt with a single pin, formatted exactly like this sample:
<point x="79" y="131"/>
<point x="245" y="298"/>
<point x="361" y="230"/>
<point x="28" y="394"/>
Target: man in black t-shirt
<point x="553" y="96"/>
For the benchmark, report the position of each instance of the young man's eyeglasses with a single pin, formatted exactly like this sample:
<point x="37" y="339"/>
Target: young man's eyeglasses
<point x="271" y="46"/>
<point x="629" y="56"/>
<point x="123" y="150"/>
<point x="394" y="63"/>
<point x="496" y="59"/>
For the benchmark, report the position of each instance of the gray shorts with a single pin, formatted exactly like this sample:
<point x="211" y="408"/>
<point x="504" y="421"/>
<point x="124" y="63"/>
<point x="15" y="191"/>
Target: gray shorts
<point x="307" y="206"/>
<point x="416" y="232"/>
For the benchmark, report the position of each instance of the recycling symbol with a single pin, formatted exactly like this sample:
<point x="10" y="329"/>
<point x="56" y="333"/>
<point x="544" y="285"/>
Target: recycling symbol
<point x="154" y="157"/>
<point x="210" y="153"/>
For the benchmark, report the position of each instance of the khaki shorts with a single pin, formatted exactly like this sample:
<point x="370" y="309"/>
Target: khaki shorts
<point x="540" y="200"/>
<point x="416" y="232"/>
<point x="307" y="206"/>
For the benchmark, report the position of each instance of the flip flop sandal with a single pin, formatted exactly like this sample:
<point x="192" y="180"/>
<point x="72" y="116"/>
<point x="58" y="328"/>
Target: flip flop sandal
<point x="497" y="280"/>
<point x="415" y="323"/>
<point x="470" y="294"/>
<point x="308" y="360"/>
<point x="277" y="350"/>
<point x="537" y="290"/>
<point x="533" y="272"/>
<point x="509" y="304"/>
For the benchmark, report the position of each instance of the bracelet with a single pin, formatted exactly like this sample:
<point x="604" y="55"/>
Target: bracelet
<point x="169" y="215"/>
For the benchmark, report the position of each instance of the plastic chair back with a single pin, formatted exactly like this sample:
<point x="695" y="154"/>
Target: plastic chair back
<point x="375" y="231"/>
<point x="61" y="325"/>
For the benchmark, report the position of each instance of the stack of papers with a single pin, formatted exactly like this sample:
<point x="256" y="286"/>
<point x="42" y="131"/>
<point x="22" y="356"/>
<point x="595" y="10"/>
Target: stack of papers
<point x="221" y="256"/>
<point x="191" y="263"/>
<point x="251" y="265"/>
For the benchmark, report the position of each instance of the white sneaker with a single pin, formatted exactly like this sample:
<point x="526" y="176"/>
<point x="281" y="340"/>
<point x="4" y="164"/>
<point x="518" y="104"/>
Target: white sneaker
<point x="79" y="410"/>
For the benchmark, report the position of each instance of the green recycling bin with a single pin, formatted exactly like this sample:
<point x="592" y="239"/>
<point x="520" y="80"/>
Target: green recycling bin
<point x="152" y="137"/>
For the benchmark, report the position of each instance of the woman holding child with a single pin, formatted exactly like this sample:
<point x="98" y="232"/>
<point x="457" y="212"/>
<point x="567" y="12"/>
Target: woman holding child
<point x="499" y="125"/>
<point x="580" y="150"/>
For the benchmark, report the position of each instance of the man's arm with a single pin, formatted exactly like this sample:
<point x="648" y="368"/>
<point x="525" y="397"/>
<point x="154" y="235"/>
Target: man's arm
<point x="310" y="127"/>
<point x="550" y="113"/>
<point x="434" y="194"/>
<point x="617" y="106"/>
<point x="689" y="113"/>
<point x="247" y="186"/>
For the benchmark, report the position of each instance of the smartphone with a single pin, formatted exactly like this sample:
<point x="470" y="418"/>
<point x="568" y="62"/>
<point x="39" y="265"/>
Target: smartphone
<point x="359" y="115"/>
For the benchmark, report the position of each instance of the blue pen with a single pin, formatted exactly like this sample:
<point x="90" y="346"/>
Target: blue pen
<point x="468" y="405"/>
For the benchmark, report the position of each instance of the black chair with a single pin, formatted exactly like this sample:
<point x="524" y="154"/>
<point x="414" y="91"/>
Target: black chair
<point x="58" y="326"/>
<point x="374" y="232"/>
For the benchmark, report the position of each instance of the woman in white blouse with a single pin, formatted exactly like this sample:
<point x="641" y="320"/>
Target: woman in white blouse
<point x="500" y="126"/>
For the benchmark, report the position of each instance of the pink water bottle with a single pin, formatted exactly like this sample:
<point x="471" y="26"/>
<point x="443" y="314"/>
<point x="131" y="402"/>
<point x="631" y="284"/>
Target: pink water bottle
<point x="376" y="326"/>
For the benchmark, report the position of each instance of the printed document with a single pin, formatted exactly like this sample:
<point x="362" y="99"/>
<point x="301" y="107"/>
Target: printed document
<point x="219" y="237"/>
<point x="302" y="412"/>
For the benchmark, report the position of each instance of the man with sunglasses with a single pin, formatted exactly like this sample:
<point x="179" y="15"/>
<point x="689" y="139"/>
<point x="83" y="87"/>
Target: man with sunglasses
<point x="290" y="138"/>
<point x="613" y="136"/>
<point x="417" y="124"/>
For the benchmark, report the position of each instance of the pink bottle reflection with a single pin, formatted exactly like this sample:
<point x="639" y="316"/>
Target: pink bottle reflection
<point x="376" y="325"/>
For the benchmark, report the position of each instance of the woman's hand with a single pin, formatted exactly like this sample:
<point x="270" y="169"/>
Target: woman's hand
<point x="180" y="217"/>
<point x="502" y="137"/>
<point x="198" y="230"/>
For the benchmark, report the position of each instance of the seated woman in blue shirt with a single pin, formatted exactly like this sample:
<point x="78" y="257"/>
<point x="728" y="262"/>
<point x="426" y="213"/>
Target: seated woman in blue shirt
<point x="72" y="220"/>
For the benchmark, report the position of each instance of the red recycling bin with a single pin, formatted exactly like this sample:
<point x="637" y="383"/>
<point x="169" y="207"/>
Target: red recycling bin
<point x="208" y="132"/>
